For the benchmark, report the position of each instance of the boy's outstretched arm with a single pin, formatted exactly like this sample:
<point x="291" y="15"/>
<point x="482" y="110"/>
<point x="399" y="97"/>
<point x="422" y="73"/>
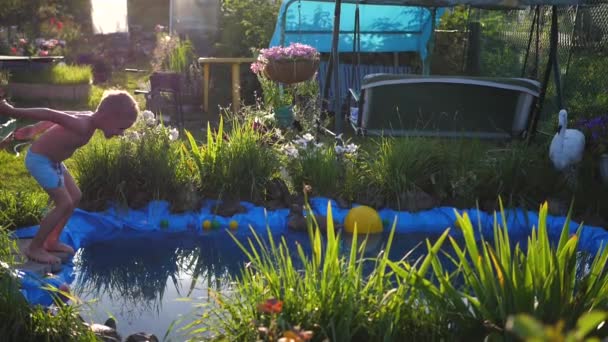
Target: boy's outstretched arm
<point x="68" y="121"/>
<point x="30" y="131"/>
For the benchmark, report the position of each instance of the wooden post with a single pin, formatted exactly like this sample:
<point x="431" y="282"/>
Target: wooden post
<point x="206" y="68"/>
<point x="236" y="87"/>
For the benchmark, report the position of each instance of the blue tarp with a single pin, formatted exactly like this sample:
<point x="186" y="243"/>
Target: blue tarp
<point x="85" y="228"/>
<point x="382" y="28"/>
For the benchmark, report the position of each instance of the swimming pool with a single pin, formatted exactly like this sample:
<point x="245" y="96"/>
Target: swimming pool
<point x="141" y="270"/>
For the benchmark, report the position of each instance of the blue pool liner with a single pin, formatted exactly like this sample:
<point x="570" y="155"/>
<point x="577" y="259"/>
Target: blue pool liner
<point x="85" y="228"/>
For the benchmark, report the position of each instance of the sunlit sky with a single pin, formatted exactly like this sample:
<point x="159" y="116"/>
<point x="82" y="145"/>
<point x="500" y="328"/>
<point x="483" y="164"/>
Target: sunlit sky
<point x="109" y="16"/>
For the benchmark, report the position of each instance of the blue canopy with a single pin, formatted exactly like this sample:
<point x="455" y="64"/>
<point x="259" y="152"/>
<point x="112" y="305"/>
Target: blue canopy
<point x="383" y="28"/>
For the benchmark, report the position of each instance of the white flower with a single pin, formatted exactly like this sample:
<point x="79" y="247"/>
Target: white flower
<point x="173" y="134"/>
<point x="290" y="150"/>
<point x="304" y="140"/>
<point x="308" y="137"/>
<point x="318" y="145"/>
<point x="351" y="148"/>
<point x="149" y="118"/>
<point x="132" y="135"/>
<point x="147" y="114"/>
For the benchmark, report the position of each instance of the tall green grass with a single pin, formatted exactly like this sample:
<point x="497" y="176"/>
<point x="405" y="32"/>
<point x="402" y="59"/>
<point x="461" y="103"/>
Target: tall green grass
<point x="402" y="165"/>
<point x="133" y="170"/>
<point x="239" y="167"/>
<point x="318" y="167"/>
<point x="60" y="74"/>
<point x="21" y="208"/>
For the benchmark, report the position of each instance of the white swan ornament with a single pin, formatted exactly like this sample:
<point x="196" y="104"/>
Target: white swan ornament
<point x="567" y="146"/>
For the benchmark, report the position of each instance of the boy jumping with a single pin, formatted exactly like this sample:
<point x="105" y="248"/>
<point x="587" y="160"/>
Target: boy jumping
<point x="62" y="134"/>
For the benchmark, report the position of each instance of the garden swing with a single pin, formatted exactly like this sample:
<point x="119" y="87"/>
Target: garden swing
<point x="441" y="94"/>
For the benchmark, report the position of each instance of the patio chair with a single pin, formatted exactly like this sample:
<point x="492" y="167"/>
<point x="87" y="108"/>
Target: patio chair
<point x="162" y="84"/>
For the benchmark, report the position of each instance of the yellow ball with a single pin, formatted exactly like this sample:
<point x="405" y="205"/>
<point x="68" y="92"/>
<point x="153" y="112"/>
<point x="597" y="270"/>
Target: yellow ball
<point x="233" y="225"/>
<point x="367" y="219"/>
<point x="206" y="225"/>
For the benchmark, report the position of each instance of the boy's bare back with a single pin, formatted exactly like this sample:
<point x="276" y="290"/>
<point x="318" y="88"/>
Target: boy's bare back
<point x="59" y="143"/>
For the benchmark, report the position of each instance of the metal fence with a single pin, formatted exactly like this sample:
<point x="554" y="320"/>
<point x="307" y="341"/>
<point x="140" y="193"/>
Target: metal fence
<point x="515" y="43"/>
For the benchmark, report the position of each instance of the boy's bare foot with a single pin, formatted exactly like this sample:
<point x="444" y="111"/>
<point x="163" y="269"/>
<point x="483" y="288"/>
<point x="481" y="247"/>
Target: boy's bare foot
<point x="41" y="255"/>
<point x="58" y="247"/>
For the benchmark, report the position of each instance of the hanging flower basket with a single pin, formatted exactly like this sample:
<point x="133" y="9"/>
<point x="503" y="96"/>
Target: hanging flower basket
<point x="291" y="71"/>
<point x="292" y="64"/>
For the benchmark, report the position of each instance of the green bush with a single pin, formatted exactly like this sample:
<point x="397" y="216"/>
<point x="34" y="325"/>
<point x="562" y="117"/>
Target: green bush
<point x="60" y="74"/>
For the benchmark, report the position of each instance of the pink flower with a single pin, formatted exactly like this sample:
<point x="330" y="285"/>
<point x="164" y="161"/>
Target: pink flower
<point x="22" y="41"/>
<point x="43" y="53"/>
<point x="13" y="50"/>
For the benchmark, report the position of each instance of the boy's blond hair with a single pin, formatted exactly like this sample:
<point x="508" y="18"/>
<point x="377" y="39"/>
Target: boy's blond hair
<point x="118" y="101"/>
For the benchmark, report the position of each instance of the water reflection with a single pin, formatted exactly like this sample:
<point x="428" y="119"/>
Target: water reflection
<point x="143" y="280"/>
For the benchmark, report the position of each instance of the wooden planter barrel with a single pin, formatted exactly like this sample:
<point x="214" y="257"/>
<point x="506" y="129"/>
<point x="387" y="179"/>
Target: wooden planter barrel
<point x="36" y="91"/>
<point x="291" y="71"/>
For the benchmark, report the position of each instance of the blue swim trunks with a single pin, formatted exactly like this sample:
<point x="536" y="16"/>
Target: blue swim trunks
<point x="48" y="173"/>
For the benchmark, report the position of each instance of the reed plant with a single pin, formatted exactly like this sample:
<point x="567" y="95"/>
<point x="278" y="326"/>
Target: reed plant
<point x="236" y="164"/>
<point x="551" y="281"/>
<point x="325" y="291"/>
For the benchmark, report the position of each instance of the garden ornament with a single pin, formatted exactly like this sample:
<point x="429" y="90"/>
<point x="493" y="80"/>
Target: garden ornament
<point x="567" y="147"/>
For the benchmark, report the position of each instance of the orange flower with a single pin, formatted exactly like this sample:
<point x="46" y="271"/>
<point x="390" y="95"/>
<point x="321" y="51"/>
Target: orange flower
<point x="271" y="306"/>
<point x="296" y="336"/>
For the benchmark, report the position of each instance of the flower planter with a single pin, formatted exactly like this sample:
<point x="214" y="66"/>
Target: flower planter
<point x="604" y="168"/>
<point x="284" y="116"/>
<point x="291" y="71"/>
<point x="34" y="91"/>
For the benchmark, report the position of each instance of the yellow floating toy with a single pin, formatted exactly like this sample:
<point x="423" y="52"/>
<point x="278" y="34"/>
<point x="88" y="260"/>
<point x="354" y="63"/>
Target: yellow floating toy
<point x="367" y="219"/>
<point x="206" y="225"/>
<point x="233" y="225"/>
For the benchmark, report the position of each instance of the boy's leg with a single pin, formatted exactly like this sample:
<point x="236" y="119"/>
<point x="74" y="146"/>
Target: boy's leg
<point x="63" y="206"/>
<point x="52" y="242"/>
